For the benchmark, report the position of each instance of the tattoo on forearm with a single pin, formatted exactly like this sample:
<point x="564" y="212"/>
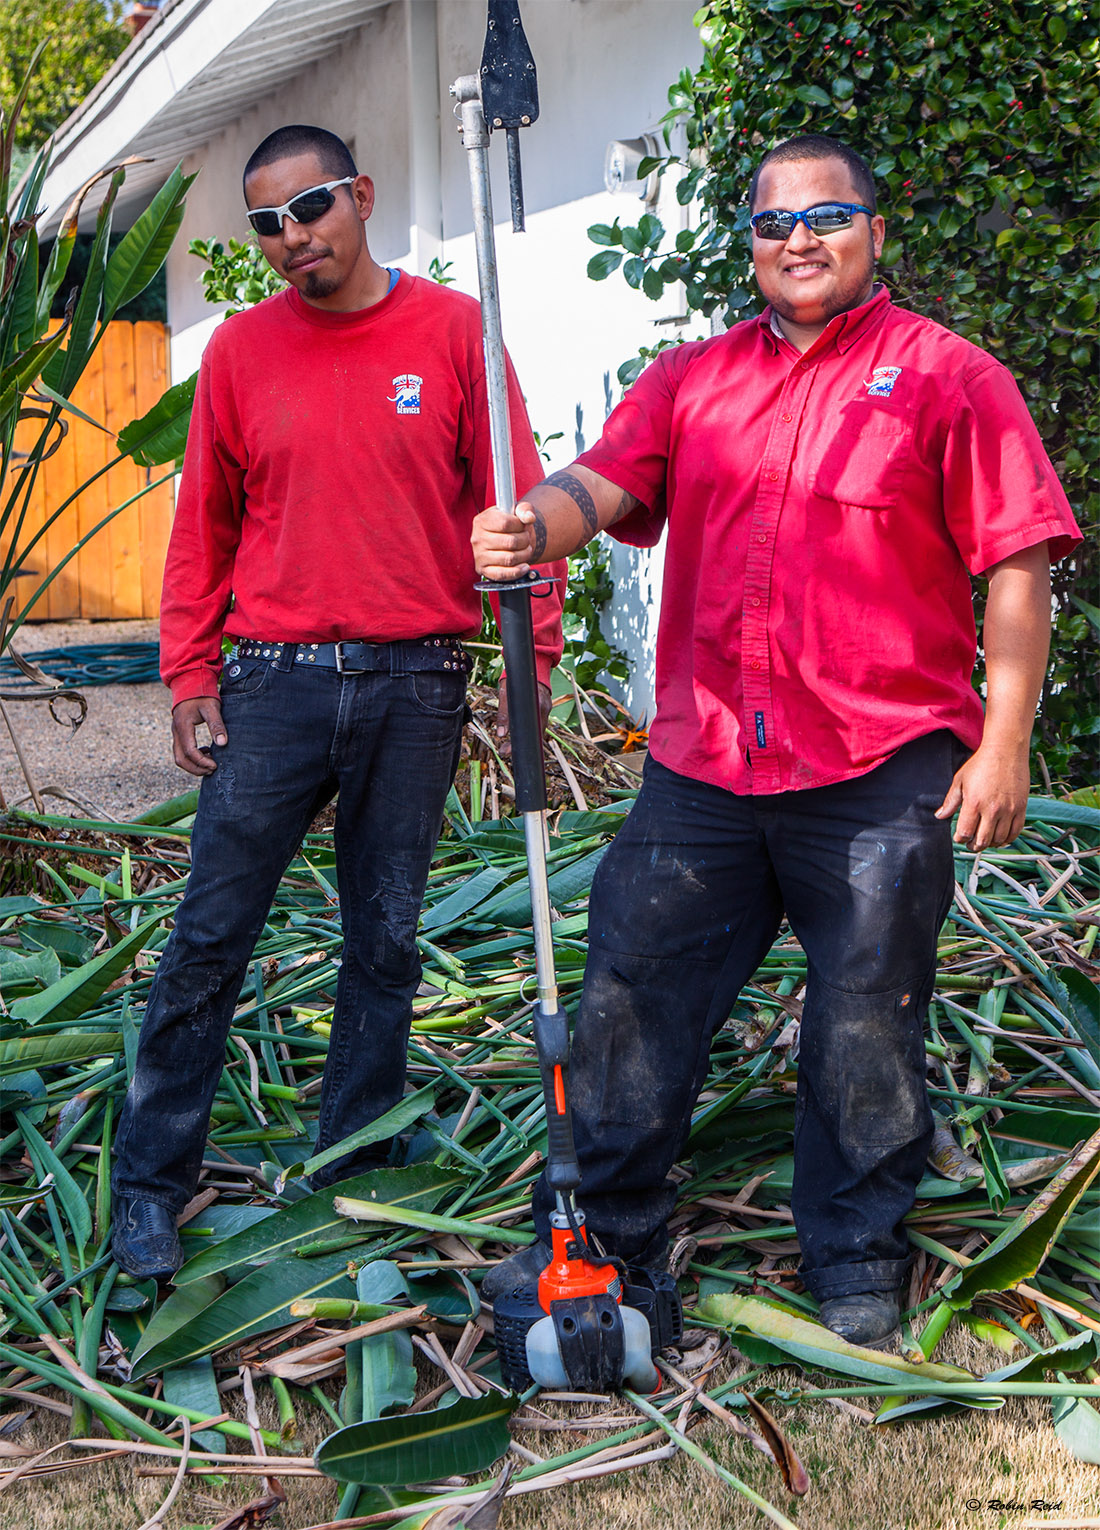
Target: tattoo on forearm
<point x="538" y="535"/>
<point x="571" y="485"/>
<point x="628" y="503"/>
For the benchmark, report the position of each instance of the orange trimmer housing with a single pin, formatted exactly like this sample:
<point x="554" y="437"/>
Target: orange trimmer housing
<point x="572" y="1275"/>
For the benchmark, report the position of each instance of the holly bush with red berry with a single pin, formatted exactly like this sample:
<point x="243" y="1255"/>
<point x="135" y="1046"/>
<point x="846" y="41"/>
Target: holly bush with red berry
<point x="979" y="118"/>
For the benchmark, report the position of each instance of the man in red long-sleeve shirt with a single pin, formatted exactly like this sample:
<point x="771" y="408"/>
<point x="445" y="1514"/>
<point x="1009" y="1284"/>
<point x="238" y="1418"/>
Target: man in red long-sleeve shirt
<point x="830" y="473"/>
<point x="339" y="451"/>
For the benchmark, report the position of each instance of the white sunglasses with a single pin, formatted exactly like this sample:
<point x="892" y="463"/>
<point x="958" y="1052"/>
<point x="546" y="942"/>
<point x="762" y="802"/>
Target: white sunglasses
<point x="306" y="207"/>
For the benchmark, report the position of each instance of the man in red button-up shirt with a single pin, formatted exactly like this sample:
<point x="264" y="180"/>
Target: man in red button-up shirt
<point x="830" y="474"/>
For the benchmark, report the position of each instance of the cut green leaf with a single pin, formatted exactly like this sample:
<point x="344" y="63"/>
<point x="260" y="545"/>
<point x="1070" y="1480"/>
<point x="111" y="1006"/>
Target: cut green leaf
<point x="160" y="435"/>
<point x="78" y="990"/>
<point x="421" y="1447"/>
<point x="1016" y="1254"/>
<point x="313" y="1218"/>
<point x="770" y="1335"/>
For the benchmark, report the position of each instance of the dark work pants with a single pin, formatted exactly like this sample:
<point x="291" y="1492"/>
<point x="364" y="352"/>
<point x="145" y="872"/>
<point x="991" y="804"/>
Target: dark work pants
<point x="389" y="744"/>
<point x="685" y="905"/>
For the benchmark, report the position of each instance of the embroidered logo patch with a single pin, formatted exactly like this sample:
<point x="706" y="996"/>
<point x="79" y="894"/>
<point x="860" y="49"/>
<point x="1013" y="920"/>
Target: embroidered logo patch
<point x="881" y="382"/>
<point x="406" y="396"/>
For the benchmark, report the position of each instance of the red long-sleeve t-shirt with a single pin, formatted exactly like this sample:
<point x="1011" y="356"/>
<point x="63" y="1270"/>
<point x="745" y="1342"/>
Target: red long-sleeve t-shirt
<point x="334" y="465"/>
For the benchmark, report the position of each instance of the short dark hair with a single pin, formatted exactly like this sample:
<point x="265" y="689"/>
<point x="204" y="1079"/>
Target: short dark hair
<point x="332" y="153"/>
<point x="819" y="146"/>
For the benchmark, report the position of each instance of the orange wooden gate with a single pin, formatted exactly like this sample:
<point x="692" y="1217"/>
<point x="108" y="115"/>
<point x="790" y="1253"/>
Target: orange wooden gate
<point x="118" y="573"/>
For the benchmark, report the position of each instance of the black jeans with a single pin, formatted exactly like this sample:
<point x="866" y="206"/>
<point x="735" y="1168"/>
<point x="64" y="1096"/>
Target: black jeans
<point x="389" y="744"/>
<point x="685" y="905"/>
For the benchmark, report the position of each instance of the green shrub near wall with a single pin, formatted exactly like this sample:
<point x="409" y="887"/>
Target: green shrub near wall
<point x="980" y="121"/>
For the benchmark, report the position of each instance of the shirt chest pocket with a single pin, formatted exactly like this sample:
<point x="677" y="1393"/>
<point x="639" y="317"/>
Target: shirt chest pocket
<point x="864" y="458"/>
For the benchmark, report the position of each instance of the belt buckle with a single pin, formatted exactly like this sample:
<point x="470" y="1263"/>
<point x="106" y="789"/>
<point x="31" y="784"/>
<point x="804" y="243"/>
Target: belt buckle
<point x="341" y="666"/>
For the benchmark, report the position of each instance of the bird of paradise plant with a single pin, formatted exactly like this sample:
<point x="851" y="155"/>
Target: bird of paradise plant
<point x="42" y="361"/>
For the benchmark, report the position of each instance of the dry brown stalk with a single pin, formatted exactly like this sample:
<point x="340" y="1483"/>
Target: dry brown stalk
<point x="49" y="1403"/>
<point x="433" y="1349"/>
<point x="238" y="1469"/>
<point x="197" y="1457"/>
<point x="574" y="784"/>
<point x="425" y="1402"/>
<point x="61" y="1354"/>
<point x="157" y="1521"/>
<point x="737" y="1425"/>
<point x="26" y="1466"/>
<point x="283" y="1365"/>
<point x="515" y="1489"/>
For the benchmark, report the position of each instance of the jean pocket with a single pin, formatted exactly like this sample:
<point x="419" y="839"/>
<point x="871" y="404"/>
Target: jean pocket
<point x="863" y="461"/>
<point x="439" y="692"/>
<point x="245" y="677"/>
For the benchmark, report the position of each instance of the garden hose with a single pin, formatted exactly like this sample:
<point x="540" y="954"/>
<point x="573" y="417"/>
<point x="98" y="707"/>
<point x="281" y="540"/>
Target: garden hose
<point x="92" y="664"/>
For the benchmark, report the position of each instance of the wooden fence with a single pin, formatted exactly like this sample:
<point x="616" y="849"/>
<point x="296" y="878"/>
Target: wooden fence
<point x="118" y="574"/>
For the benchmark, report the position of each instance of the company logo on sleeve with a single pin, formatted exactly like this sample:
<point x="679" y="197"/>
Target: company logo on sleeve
<point x="406" y="393"/>
<point x="881" y="382"/>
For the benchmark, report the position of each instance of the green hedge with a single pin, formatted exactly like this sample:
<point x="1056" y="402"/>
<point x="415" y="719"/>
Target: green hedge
<point x="980" y="121"/>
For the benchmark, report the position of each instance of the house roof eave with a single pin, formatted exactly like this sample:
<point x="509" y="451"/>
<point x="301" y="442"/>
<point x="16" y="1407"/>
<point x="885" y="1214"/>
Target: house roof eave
<point x="182" y="79"/>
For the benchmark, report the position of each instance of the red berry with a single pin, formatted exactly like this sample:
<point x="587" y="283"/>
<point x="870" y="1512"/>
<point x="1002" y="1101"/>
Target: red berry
<point x="939" y="300"/>
<point x="798" y="34"/>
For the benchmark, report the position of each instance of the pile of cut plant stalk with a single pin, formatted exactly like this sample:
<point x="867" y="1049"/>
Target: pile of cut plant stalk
<point x="359" y="1303"/>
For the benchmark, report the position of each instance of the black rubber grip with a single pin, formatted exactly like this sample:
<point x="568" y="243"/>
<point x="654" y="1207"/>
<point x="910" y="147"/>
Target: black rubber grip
<point x="552" y="1042"/>
<point x="524" y="724"/>
<point x="562" y="1170"/>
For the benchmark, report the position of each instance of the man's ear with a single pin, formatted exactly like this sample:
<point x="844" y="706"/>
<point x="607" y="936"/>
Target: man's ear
<point x="362" y="189"/>
<point x="878" y="234"/>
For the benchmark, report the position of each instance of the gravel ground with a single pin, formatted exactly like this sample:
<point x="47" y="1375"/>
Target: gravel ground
<point x="120" y="760"/>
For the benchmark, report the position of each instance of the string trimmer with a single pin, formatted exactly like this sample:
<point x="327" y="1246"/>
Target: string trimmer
<point x="589" y="1323"/>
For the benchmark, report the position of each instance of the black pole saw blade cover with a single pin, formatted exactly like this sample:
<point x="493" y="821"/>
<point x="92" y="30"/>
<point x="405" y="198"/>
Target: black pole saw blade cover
<point x="509" y="85"/>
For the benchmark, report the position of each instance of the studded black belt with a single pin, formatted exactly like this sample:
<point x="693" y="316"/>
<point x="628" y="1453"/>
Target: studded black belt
<point x="406" y="656"/>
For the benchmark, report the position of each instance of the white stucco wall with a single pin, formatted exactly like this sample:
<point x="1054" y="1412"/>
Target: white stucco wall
<point x="358" y="93"/>
<point x="604" y="70"/>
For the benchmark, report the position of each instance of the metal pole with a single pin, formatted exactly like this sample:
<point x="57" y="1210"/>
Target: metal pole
<point x="475" y="140"/>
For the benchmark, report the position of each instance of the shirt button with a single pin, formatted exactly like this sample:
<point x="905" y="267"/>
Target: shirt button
<point x="774" y="477"/>
<point x="786" y="418"/>
<point x="755" y="664"/>
<point x="803" y="366"/>
<point x="756" y="600"/>
<point x="761" y="538"/>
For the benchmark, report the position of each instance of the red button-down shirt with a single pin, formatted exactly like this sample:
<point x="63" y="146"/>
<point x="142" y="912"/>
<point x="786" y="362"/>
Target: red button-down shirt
<point x="824" y="513"/>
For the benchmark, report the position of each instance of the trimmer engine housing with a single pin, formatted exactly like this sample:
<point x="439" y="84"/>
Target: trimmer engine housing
<point x="587" y="1341"/>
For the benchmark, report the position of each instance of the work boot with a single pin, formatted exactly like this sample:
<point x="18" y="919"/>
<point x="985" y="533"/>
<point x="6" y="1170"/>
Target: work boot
<point x="864" y="1317"/>
<point x="144" y="1240"/>
<point x="519" y="1269"/>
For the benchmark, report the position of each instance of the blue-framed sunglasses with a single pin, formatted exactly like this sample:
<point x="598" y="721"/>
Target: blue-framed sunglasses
<point x="306" y="207"/>
<point x="826" y="218"/>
